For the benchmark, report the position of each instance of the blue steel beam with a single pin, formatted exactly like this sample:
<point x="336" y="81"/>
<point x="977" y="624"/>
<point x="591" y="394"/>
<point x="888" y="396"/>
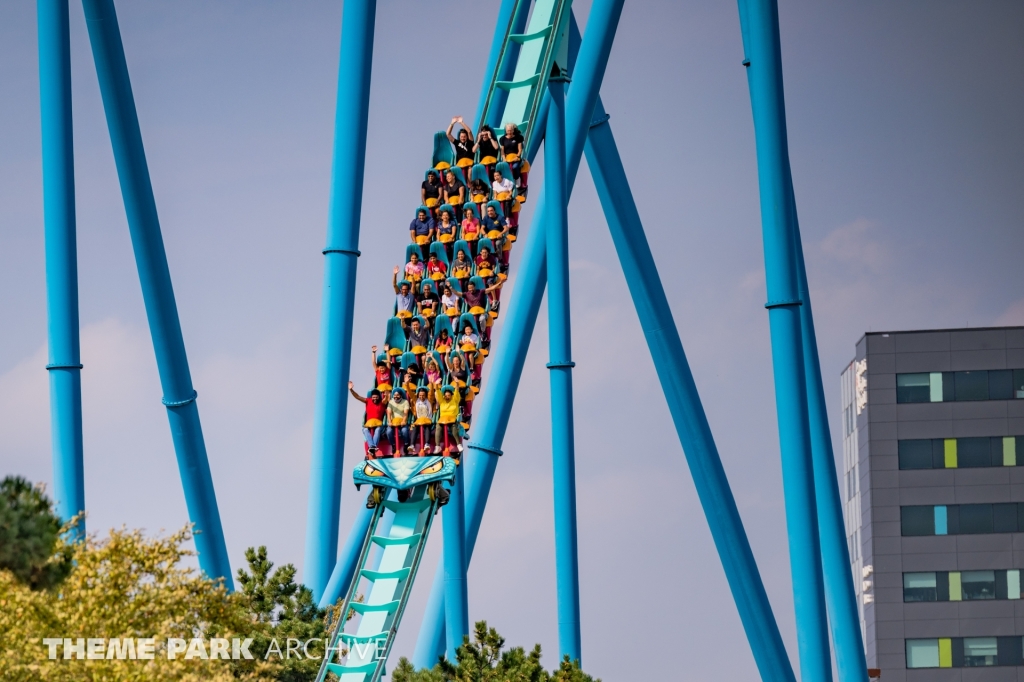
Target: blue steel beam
<point x="456" y="595"/>
<point x="763" y="59"/>
<point x="563" y="456"/>
<point x="684" y="403"/>
<point x="157" y="292"/>
<point x="840" y="598"/>
<point x="339" y="291"/>
<point x="521" y="315"/>
<point x="65" y="364"/>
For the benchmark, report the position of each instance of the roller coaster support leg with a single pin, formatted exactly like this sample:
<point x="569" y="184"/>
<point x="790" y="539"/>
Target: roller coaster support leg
<point x="760" y="23"/>
<point x="560" y="367"/>
<point x="61" y="261"/>
<point x="521" y="314"/>
<point x="339" y="289"/>
<point x="840" y="598"/>
<point x="684" y="403"/>
<point x="456" y="598"/>
<point x="157" y="292"/>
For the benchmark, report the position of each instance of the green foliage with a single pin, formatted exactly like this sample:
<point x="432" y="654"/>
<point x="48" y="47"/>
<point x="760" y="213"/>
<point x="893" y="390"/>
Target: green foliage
<point x="29" y="531"/>
<point x="483" y="660"/>
<point x="285" y="610"/>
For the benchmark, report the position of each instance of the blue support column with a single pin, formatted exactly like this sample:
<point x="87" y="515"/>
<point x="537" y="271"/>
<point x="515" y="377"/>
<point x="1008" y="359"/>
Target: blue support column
<point x="65" y="363"/>
<point x="491" y="416"/>
<point x="338" y="303"/>
<point x="560" y="366"/>
<point x="760" y="27"/>
<point x="456" y="595"/>
<point x="684" y="403"/>
<point x="840" y="597"/>
<point x="157" y="292"/>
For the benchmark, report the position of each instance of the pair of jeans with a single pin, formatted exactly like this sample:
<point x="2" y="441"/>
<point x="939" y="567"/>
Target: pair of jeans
<point x="401" y="433"/>
<point x="372" y="435"/>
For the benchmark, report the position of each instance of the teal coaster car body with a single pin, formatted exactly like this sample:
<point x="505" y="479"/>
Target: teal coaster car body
<point x="404" y="473"/>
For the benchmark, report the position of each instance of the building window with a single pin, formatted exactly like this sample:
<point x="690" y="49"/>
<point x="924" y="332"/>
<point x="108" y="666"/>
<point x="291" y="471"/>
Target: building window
<point x="961" y="585"/>
<point x="978" y="585"/>
<point x="980" y="651"/>
<point x="920" y="587"/>
<point x="965" y="652"/>
<point x="962" y="519"/>
<point x="937" y="387"/>
<point x="917" y="520"/>
<point x="961" y="453"/>
<point x="922" y="653"/>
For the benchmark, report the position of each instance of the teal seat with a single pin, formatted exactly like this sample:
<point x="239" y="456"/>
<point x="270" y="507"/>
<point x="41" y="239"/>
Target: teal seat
<point x="443" y="156"/>
<point x="505" y="170"/>
<point x="437" y="248"/>
<point x="462" y="245"/>
<point x="497" y="207"/>
<point x="443" y="323"/>
<point x="479" y="172"/>
<point x="451" y="217"/>
<point x="467" y="318"/>
<point x="485" y="243"/>
<point x="478" y="282"/>
<point x="411" y="249"/>
<point x="454" y="284"/>
<point x="394" y="337"/>
<point x="408" y="360"/>
<point x="459" y="175"/>
<point x="428" y="285"/>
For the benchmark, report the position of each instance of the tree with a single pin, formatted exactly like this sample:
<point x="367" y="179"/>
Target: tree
<point x="29" y="531"/>
<point x="483" y="660"/>
<point x="286" y="610"/>
<point x="125" y="585"/>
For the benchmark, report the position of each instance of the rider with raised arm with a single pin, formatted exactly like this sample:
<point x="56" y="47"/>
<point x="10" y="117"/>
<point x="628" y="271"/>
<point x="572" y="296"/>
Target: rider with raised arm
<point x="373" y="418"/>
<point x="405" y="300"/>
<point x="463" y="145"/>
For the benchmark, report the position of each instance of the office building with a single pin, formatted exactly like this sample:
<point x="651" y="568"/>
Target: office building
<point x="933" y="449"/>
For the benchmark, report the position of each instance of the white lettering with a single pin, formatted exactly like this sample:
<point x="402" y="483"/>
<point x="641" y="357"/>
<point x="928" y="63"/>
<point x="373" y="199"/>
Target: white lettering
<point x="273" y="646"/>
<point x="175" y="646"/>
<point x="78" y="648"/>
<point x="196" y="649"/>
<point x="146" y="646"/>
<point x="52" y="643"/>
<point x="96" y="649"/>
<point x="305" y="648"/>
<point x="289" y="648"/>
<point x="241" y="650"/>
<point x="219" y="648"/>
<point x="121" y="648"/>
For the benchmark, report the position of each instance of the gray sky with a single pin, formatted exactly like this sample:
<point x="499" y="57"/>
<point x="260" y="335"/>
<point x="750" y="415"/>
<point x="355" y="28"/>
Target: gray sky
<point x="904" y="124"/>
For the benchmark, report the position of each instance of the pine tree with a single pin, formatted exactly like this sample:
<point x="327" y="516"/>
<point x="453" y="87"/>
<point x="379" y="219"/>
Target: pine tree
<point x="484" y="660"/>
<point x="29" y="531"/>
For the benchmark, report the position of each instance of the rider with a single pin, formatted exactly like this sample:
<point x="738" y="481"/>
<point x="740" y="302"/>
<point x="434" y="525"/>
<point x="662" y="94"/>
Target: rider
<point x="447" y="419"/>
<point x="373" y="419"/>
<point x="399" y="415"/>
<point x="423" y="425"/>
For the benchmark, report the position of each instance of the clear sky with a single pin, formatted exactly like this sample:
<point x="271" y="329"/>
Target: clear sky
<point x="905" y="132"/>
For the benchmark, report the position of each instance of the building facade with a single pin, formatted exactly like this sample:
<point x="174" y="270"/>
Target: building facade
<point x="933" y="450"/>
